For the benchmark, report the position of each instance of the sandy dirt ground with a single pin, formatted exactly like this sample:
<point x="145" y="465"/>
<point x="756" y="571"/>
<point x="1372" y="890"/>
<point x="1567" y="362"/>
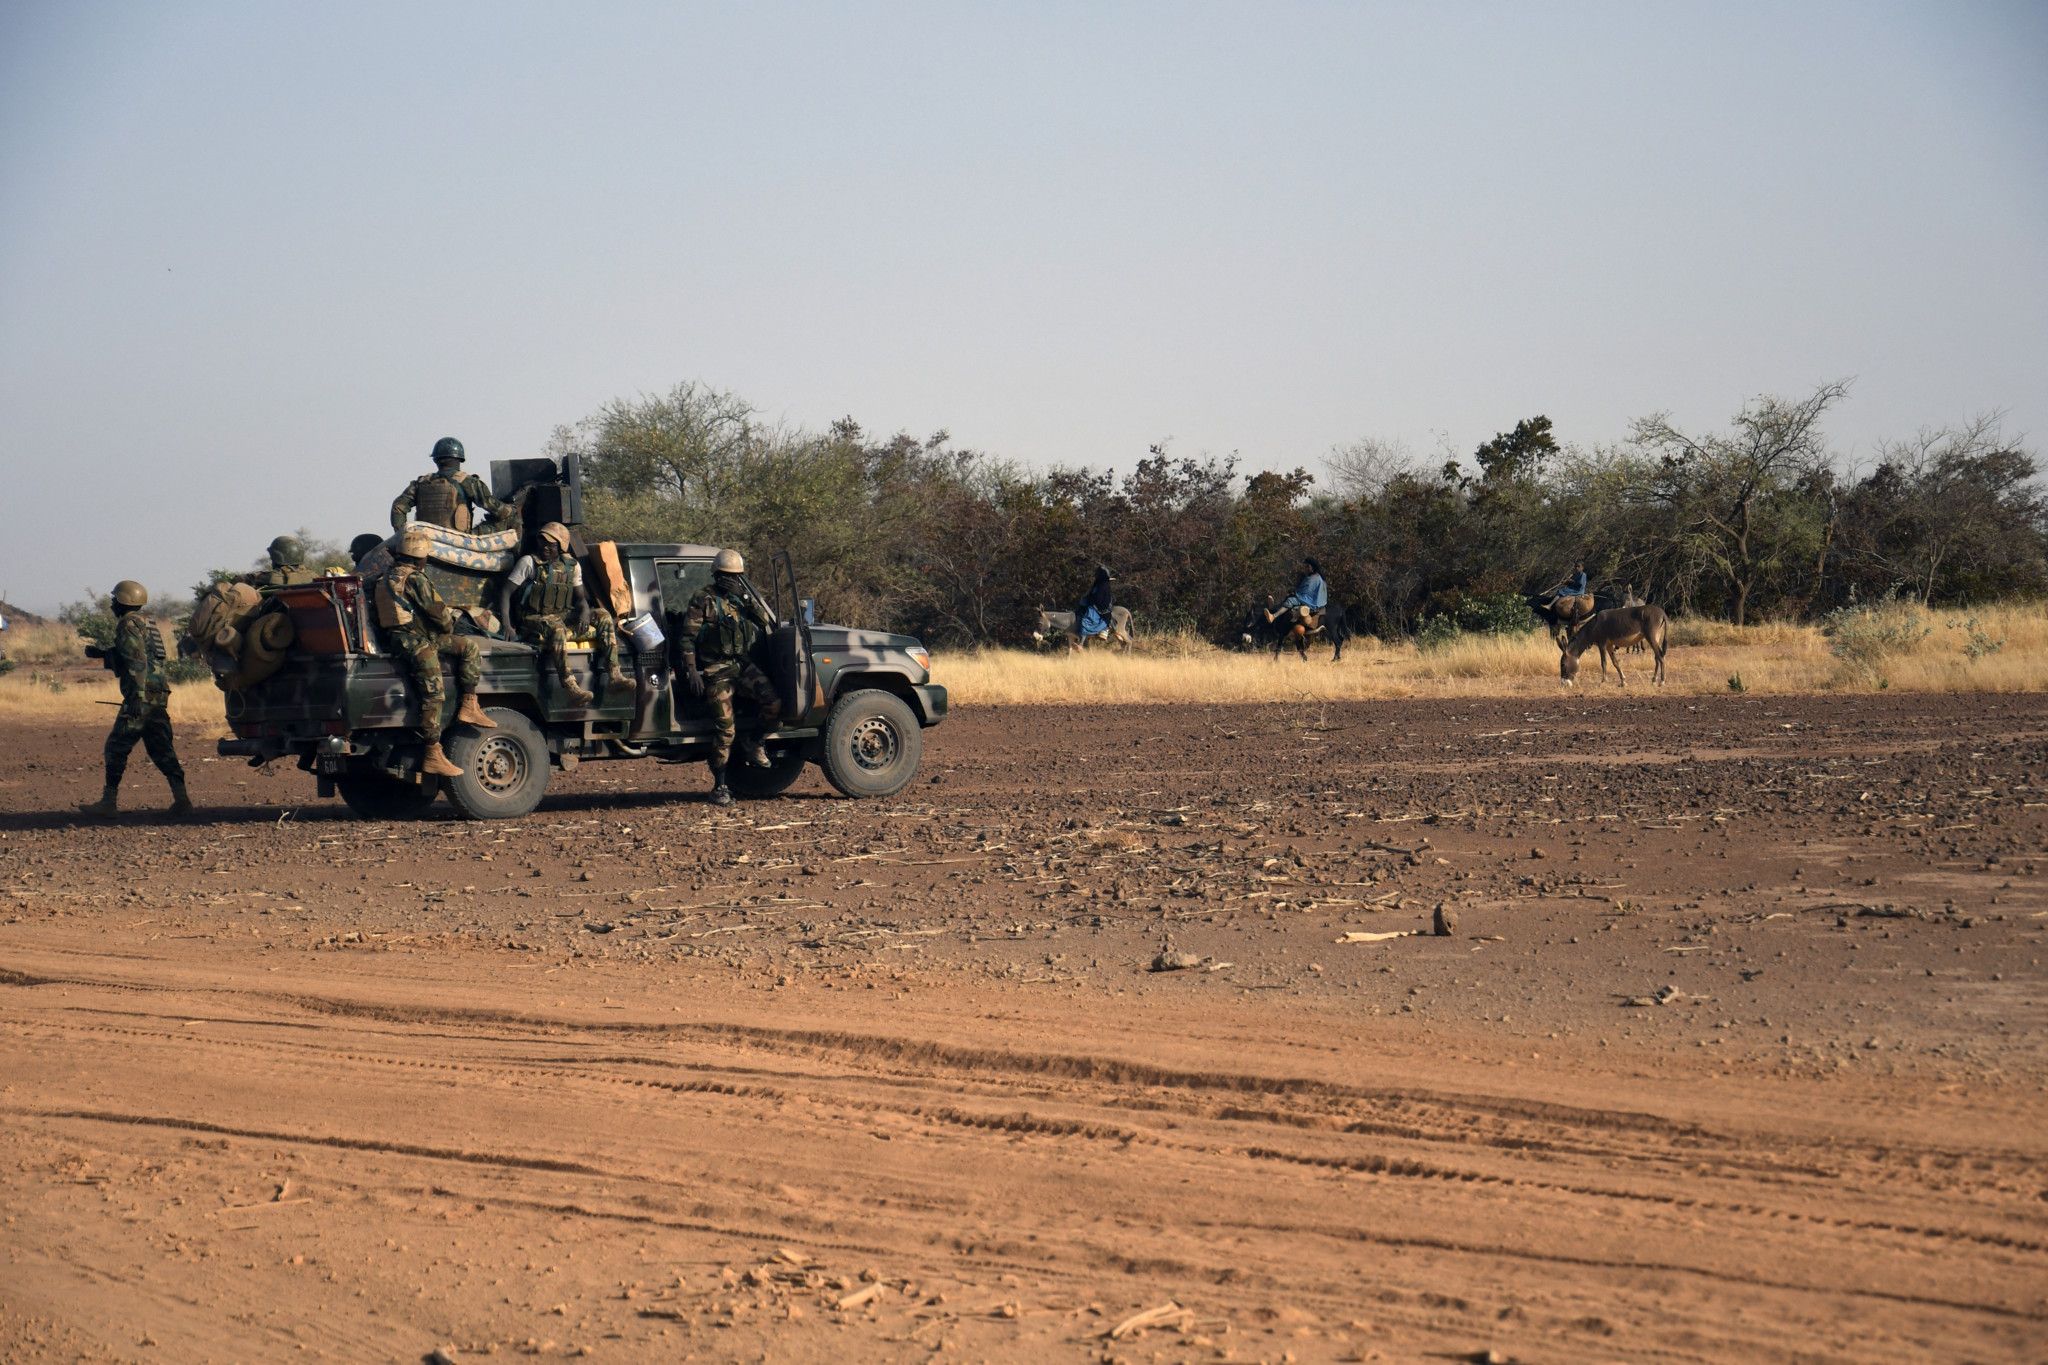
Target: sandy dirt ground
<point x="1735" y="1050"/>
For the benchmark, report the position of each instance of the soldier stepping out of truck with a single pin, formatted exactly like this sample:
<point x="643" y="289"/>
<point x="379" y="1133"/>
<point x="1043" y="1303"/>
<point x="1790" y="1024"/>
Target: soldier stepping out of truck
<point x="136" y="658"/>
<point x="420" y="629"/>
<point x="448" y="497"/>
<point x="714" y="643"/>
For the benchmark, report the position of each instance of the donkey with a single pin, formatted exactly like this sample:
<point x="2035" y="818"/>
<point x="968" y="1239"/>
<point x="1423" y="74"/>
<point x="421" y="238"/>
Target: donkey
<point x="1611" y="632"/>
<point x="1062" y="625"/>
<point x="1563" y="614"/>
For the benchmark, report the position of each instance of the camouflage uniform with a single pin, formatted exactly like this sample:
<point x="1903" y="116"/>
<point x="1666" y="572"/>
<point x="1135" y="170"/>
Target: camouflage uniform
<point x="604" y="640"/>
<point x="544" y="600"/>
<point x="719" y="631"/>
<point x="137" y="659"/>
<point x="267" y="581"/>
<point x="424" y="636"/>
<point x="446" y="500"/>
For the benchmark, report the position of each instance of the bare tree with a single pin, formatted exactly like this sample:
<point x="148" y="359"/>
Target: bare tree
<point x="1364" y="468"/>
<point x="1726" y="487"/>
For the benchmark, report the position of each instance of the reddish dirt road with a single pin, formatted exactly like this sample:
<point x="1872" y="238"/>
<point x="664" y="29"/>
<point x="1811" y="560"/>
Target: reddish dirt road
<point x="1736" y="1052"/>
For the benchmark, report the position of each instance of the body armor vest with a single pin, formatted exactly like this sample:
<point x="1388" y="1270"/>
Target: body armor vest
<point x="442" y="502"/>
<point x="550" y="591"/>
<point x="393" y="610"/>
<point x="149" y="681"/>
<point x="728" y="632"/>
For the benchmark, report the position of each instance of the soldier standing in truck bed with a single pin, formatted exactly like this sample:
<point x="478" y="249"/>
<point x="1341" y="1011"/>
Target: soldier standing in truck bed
<point x="420" y="628"/>
<point x="287" y="567"/>
<point x="448" y="497"/>
<point x="136" y="658"/>
<point x="714" y="644"/>
<point x="542" y="595"/>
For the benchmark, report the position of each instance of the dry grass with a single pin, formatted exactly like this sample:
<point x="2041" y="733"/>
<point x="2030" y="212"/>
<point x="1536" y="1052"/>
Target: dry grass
<point x="30" y="697"/>
<point x="41" y="646"/>
<point x="1772" y="658"/>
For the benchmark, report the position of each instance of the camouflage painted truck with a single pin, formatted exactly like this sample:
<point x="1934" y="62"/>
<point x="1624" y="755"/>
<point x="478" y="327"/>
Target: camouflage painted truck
<point x="854" y="702"/>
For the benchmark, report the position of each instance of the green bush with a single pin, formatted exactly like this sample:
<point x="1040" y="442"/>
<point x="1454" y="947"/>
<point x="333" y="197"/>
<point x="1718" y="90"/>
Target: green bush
<point x="186" y="669"/>
<point x="1864" y="635"/>
<point x="1977" y="641"/>
<point x="1501" y="613"/>
<point x="1437" y="632"/>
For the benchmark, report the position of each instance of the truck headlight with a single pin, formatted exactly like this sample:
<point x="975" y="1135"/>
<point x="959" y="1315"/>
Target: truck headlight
<point x="922" y="657"/>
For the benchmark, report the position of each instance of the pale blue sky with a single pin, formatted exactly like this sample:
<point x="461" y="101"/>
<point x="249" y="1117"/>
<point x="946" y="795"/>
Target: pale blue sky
<point x="255" y="258"/>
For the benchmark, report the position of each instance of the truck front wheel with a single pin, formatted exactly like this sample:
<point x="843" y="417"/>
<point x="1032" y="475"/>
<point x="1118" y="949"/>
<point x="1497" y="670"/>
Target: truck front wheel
<point x="504" y="771"/>
<point x="872" y="744"/>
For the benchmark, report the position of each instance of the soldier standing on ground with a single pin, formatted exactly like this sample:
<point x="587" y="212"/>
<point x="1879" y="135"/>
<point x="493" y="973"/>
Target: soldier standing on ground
<point x="714" y="645"/>
<point x="420" y="628"/>
<point x="137" y="659"/>
<point x="542" y="595"/>
<point x="287" y="567"/>
<point x="448" y="497"/>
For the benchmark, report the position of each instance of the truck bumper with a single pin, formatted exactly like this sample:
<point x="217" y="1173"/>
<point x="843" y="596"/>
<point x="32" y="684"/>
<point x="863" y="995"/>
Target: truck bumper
<point x="931" y="703"/>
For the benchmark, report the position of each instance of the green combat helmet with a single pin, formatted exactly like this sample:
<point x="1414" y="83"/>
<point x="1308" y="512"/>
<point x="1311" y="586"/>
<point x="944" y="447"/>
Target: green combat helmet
<point x="129" y="593"/>
<point x="286" y="553"/>
<point x="448" y="448"/>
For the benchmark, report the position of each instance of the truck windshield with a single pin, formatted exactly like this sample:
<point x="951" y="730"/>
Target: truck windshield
<point x="680" y="580"/>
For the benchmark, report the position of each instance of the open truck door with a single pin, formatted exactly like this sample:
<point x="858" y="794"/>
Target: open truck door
<point x="789" y="647"/>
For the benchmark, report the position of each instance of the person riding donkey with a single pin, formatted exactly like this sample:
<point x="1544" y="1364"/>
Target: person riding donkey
<point x="1310" y="596"/>
<point x="1092" y="613"/>
<point x="1575" y="586"/>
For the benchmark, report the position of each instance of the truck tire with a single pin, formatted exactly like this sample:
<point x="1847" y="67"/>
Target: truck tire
<point x="872" y="744"/>
<point x="504" y="771"/>
<point x="755" y="784"/>
<point x="378" y="795"/>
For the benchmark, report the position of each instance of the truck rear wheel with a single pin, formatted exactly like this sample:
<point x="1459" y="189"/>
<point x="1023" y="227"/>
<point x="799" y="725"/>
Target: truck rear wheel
<point x="784" y="768"/>
<point x="378" y="795"/>
<point x="872" y="744"/>
<point x="504" y="771"/>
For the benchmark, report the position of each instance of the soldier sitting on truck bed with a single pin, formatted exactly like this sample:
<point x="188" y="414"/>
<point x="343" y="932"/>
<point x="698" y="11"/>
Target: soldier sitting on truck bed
<point x="542" y="595"/>
<point x="714" y="642"/>
<point x="420" y="628"/>
<point x="287" y="568"/>
<point x="448" y="497"/>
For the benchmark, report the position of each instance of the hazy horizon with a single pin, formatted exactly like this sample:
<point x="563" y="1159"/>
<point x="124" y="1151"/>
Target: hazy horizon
<point x="255" y="260"/>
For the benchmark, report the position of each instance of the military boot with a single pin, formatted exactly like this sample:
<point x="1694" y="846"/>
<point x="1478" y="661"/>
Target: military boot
<point x="469" y="713"/>
<point x="755" y="752"/>
<point x="436" y="762"/>
<point x="181" y="804"/>
<point x="721" y="795"/>
<point x="577" y="694"/>
<point x="109" y="804"/>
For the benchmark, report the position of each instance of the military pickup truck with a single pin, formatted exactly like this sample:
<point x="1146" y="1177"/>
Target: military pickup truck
<point x="855" y="702"/>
